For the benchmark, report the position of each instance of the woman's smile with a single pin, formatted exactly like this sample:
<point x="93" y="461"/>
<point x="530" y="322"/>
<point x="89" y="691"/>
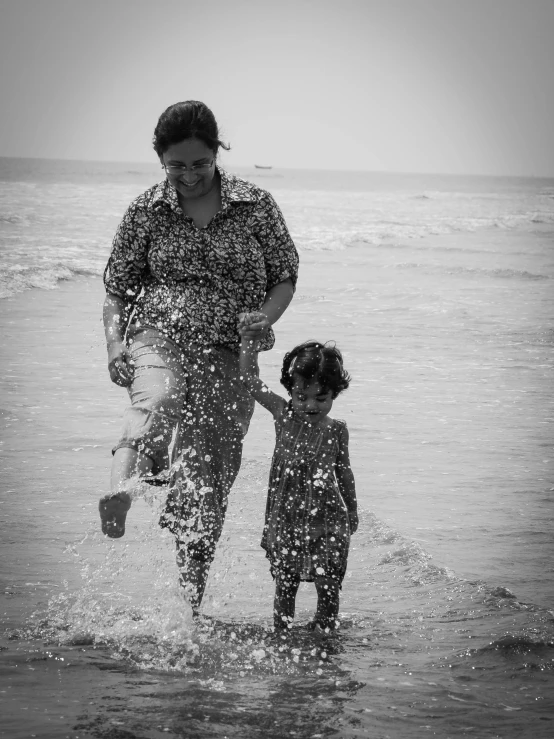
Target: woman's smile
<point x="190" y="185"/>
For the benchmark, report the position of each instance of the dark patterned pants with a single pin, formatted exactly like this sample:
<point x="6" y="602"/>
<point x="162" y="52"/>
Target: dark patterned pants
<point x="193" y="396"/>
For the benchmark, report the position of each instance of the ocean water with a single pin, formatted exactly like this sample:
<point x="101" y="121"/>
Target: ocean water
<point x="439" y="291"/>
<point x="57" y="219"/>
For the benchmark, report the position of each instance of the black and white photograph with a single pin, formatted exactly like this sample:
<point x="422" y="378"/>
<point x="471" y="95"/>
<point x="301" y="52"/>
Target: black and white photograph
<point x="277" y="369"/>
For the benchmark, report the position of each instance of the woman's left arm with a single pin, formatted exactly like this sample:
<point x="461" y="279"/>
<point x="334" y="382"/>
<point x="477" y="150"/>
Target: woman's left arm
<point x="281" y="264"/>
<point x="276" y="302"/>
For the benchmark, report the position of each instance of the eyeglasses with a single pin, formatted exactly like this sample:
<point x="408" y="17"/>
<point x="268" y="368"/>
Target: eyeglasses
<point x="177" y="169"/>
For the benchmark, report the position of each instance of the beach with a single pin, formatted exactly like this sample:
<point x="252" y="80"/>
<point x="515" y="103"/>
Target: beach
<point x="439" y="294"/>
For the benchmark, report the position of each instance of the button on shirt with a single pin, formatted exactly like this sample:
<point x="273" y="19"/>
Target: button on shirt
<point x="192" y="283"/>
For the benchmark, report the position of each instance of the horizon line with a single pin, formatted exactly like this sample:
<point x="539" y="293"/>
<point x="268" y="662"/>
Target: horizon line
<point x="296" y="169"/>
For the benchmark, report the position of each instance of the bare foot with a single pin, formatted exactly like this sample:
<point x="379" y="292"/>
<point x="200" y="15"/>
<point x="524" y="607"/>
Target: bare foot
<point x="113" y="512"/>
<point x="322" y="630"/>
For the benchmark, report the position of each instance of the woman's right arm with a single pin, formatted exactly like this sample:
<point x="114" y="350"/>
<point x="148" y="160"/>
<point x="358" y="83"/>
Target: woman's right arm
<point x="119" y="358"/>
<point x="123" y="277"/>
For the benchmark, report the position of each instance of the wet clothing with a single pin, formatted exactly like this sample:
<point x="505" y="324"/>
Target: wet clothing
<point x="191" y="283"/>
<point x="307" y="529"/>
<point x="197" y="393"/>
<point x="183" y="288"/>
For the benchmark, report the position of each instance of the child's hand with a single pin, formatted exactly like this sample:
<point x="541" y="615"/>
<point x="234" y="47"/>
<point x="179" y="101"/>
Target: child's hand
<point x="353" y="520"/>
<point x="253" y="325"/>
<point x="244" y="319"/>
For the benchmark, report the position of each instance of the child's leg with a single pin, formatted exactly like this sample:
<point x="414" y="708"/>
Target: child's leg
<point x="327" y="602"/>
<point x="286" y="587"/>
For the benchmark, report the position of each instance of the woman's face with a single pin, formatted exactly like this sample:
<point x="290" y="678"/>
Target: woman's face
<point x="190" y="167"/>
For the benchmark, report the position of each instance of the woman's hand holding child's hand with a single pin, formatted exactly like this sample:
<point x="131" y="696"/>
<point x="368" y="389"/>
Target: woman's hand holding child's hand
<point x="253" y="326"/>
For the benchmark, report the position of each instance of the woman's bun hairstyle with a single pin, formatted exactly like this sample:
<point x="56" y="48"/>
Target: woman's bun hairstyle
<point x="190" y="119"/>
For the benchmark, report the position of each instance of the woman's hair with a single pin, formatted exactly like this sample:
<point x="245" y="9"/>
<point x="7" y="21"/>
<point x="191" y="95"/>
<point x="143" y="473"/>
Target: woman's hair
<point x="315" y="361"/>
<point x="190" y="119"/>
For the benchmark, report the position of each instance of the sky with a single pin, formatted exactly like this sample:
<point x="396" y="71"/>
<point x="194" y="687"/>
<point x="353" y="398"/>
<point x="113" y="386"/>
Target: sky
<point x="447" y="86"/>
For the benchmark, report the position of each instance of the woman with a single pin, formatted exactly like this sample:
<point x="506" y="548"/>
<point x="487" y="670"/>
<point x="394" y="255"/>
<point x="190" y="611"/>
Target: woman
<point x="190" y="254"/>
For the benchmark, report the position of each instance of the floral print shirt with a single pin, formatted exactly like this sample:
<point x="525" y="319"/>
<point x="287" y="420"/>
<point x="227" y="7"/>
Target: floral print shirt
<point x="191" y="283"/>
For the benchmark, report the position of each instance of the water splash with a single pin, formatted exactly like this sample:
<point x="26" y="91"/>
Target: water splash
<point x="145" y="623"/>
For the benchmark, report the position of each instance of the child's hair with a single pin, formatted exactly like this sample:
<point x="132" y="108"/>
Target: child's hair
<point x="315" y="361"/>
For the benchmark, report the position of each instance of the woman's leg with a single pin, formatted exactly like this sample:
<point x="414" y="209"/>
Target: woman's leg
<point x="327" y="602"/>
<point x="127" y="463"/>
<point x="286" y="588"/>
<point x="193" y="575"/>
<point x="157" y="394"/>
<point x="207" y="453"/>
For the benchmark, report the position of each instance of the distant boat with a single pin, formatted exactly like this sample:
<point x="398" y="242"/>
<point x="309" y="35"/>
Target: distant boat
<point x="263" y="166"/>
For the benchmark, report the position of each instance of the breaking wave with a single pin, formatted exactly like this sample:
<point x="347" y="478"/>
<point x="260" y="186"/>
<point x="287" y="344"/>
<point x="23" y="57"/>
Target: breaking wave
<point x="17" y="278"/>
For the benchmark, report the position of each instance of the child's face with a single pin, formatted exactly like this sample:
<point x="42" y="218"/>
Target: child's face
<point x="309" y="401"/>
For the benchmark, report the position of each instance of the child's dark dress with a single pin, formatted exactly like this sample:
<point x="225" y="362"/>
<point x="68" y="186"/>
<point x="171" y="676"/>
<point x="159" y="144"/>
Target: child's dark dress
<point x="306" y="528"/>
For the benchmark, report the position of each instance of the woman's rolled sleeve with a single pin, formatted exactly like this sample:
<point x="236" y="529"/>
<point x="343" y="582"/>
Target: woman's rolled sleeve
<point x="280" y="255"/>
<point x="128" y="262"/>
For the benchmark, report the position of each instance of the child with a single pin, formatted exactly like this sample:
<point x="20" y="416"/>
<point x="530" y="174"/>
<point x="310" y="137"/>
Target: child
<point x="311" y="505"/>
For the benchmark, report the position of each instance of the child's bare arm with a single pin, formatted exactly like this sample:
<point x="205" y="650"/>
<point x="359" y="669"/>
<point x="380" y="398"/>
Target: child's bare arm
<point x="345" y="479"/>
<point x="257" y="389"/>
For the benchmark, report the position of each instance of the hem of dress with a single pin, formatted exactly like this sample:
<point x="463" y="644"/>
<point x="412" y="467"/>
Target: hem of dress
<point x="302" y="575"/>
